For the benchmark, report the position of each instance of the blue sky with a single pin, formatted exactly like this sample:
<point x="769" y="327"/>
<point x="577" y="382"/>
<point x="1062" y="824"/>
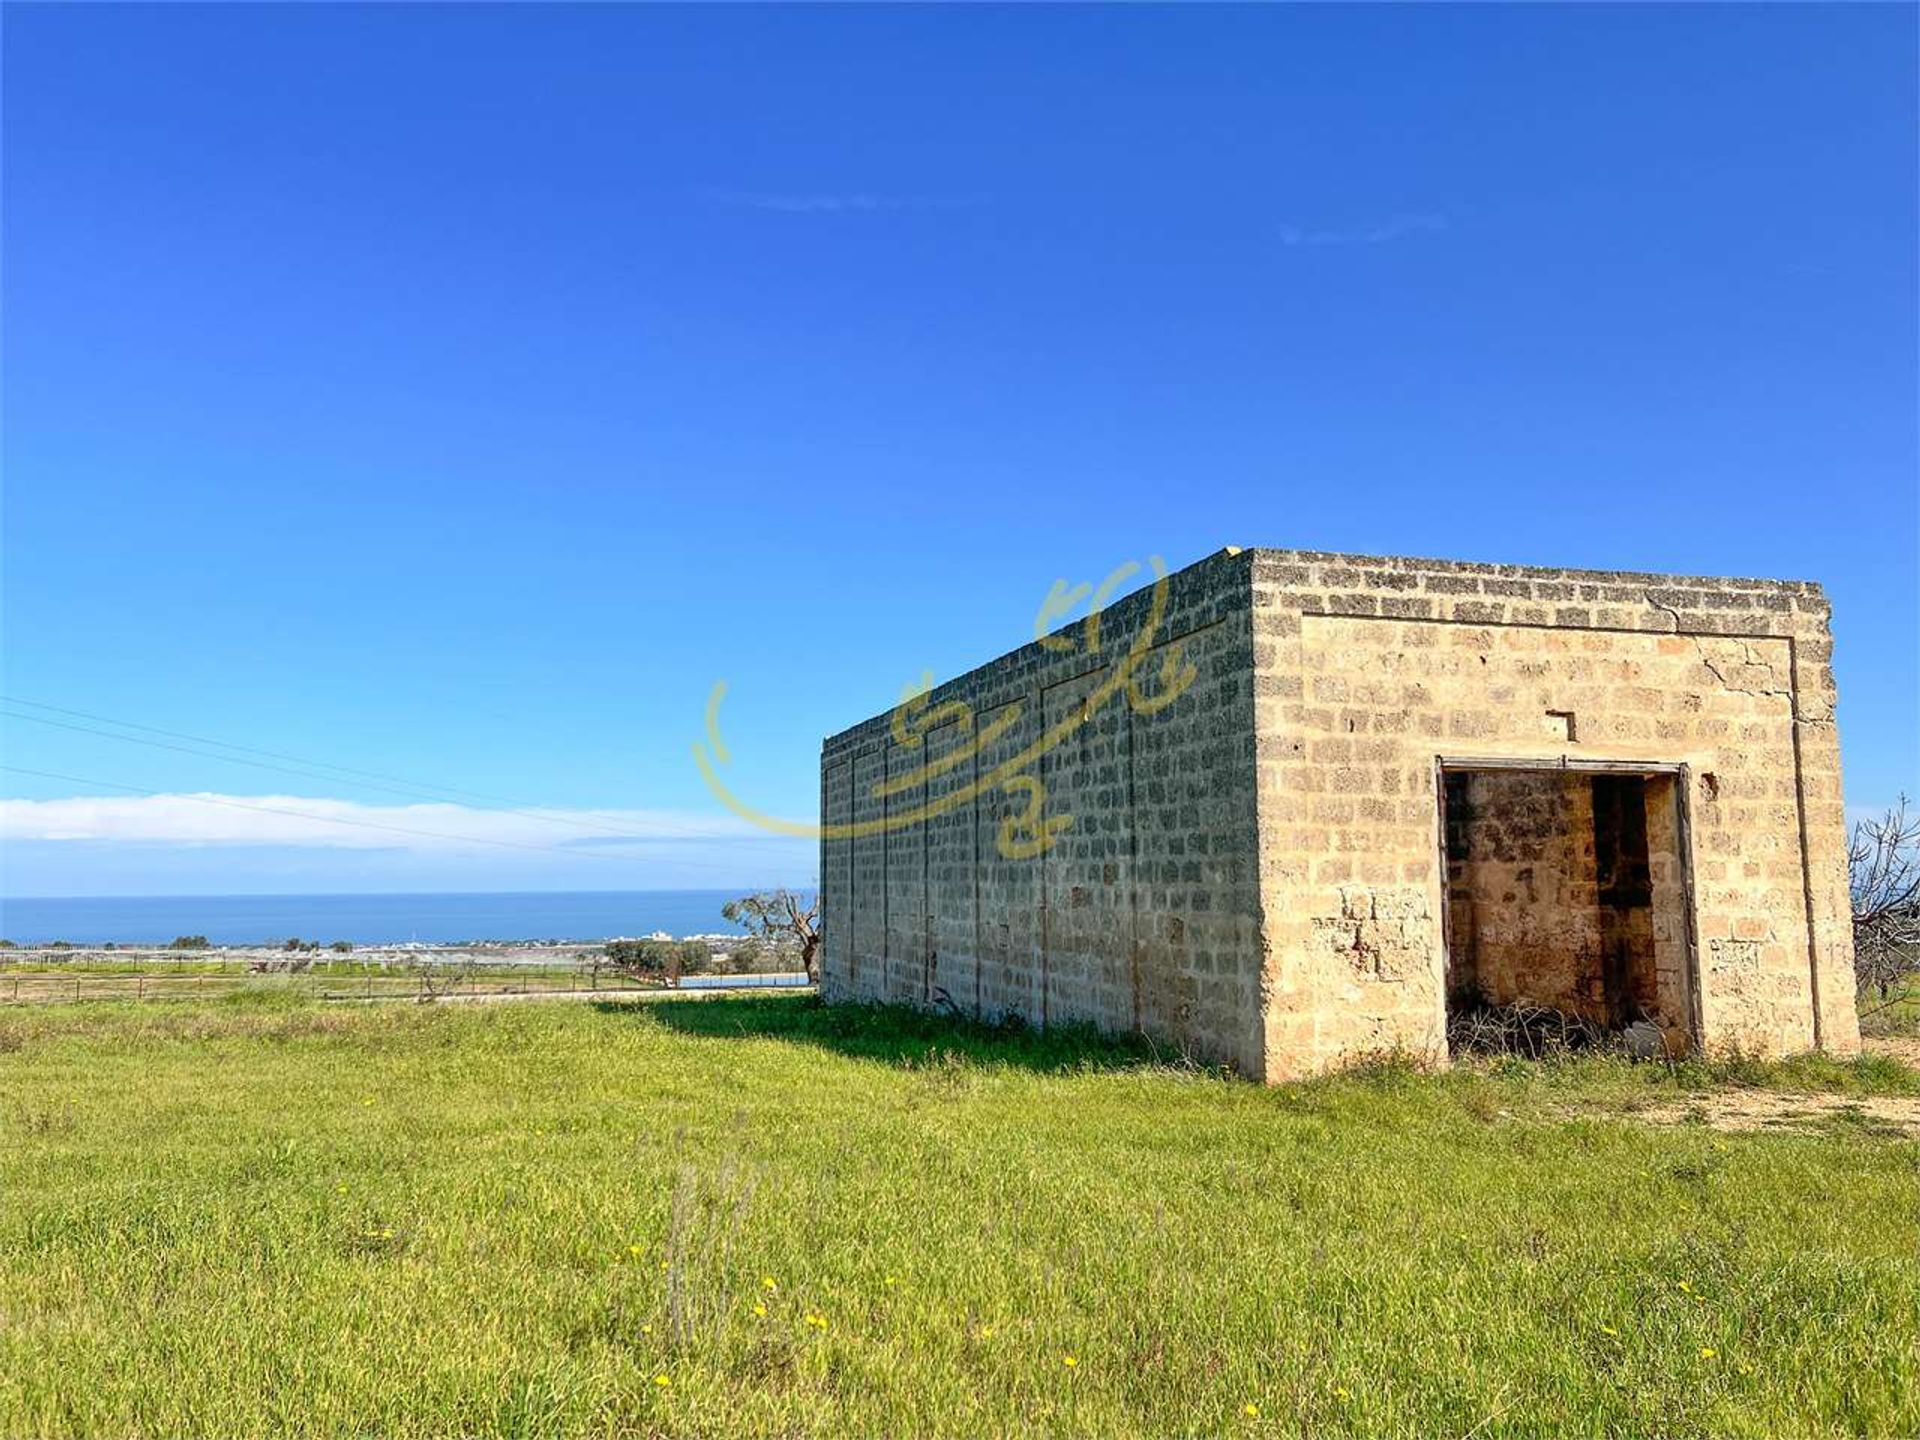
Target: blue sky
<point x="453" y="395"/>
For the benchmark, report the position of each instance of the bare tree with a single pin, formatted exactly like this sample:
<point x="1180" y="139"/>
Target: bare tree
<point x="778" y="915"/>
<point x="1883" y="864"/>
<point x="440" y="980"/>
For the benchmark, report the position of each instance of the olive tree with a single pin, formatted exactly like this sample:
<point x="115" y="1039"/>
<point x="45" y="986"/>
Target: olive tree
<point x="782" y="917"/>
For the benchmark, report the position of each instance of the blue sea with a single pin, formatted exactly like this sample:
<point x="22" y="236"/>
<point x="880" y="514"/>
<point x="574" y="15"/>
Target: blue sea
<point x="364" y="919"/>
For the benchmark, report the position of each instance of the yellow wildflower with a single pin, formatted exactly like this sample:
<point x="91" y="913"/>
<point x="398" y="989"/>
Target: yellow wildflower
<point x="767" y="1282"/>
<point x="665" y="1382"/>
<point x="760" y="1309"/>
<point x="1340" y="1392"/>
<point x="986" y="1332"/>
<point x="1707" y="1352"/>
<point x="1069" y="1361"/>
<point x="1250" y="1410"/>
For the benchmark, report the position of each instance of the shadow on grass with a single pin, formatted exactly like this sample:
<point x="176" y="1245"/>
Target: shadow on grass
<point x="892" y="1034"/>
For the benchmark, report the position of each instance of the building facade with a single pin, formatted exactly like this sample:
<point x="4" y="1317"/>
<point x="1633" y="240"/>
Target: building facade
<point x="1286" y="810"/>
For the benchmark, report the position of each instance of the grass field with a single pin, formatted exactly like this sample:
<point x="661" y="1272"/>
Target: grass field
<point x="756" y="1216"/>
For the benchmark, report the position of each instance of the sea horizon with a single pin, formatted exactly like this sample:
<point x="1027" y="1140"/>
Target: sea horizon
<point x="364" y="918"/>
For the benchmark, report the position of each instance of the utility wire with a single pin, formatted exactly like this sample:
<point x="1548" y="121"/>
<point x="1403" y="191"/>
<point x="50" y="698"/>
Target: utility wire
<point x="407" y="788"/>
<point x="251" y="750"/>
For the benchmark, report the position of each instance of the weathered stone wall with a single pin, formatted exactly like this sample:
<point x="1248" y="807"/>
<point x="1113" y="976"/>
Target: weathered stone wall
<point x="1370" y="670"/>
<point x="1523" y="894"/>
<point x="1144" y="913"/>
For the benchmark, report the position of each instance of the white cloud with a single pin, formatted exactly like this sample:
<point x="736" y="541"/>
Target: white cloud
<point x="1394" y="229"/>
<point x="214" y="819"/>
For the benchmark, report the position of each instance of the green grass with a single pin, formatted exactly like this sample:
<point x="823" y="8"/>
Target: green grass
<point x="1897" y="1013"/>
<point x="266" y="1214"/>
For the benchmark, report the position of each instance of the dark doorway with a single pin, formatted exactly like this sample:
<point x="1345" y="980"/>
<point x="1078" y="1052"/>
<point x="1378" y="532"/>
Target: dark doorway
<point x="1566" y="893"/>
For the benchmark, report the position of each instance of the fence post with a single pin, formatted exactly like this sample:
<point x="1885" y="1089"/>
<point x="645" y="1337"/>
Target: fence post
<point x="140" y="987"/>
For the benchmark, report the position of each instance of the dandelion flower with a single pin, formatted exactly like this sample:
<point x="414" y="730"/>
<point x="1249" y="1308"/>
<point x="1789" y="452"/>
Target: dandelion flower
<point x="646" y="1329"/>
<point x="1250" y="1410"/>
<point x="760" y="1309"/>
<point x="818" y="1322"/>
<point x="663" y="1266"/>
<point x="1707" y="1352"/>
<point x="665" y="1382"/>
<point x="1340" y="1392"/>
<point x="1069" y="1361"/>
<point x="636" y="1251"/>
<point x="986" y="1332"/>
<point x="767" y="1282"/>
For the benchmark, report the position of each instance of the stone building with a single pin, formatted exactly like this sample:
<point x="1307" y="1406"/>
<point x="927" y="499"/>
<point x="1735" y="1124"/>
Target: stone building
<point x="1284" y="810"/>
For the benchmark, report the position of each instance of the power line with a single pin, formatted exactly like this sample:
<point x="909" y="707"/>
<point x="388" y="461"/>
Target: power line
<point x="418" y="790"/>
<point x="211" y="755"/>
<point x="332" y="819"/>
<point x="251" y="750"/>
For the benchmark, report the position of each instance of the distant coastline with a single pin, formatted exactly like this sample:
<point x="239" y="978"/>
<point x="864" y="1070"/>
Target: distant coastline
<point x="428" y="918"/>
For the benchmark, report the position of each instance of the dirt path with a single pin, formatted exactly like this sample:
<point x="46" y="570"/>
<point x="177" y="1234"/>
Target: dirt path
<point x="1750" y="1111"/>
<point x="1756" y="1110"/>
<point x="1904" y="1048"/>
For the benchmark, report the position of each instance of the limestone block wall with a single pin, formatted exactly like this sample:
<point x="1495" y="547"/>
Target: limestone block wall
<point x="1143" y="915"/>
<point x="1524" y="907"/>
<point x="1369" y="671"/>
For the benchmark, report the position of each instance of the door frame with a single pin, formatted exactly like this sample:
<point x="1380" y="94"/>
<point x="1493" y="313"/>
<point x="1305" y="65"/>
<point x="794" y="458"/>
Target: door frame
<point x="1679" y="771"/>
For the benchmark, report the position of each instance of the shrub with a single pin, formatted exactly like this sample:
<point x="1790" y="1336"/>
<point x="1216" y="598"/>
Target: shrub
<point x="657" y="959"/>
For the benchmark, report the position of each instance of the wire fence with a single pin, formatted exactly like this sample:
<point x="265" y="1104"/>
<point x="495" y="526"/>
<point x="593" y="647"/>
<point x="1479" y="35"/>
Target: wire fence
<point x="42" y="984"/>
